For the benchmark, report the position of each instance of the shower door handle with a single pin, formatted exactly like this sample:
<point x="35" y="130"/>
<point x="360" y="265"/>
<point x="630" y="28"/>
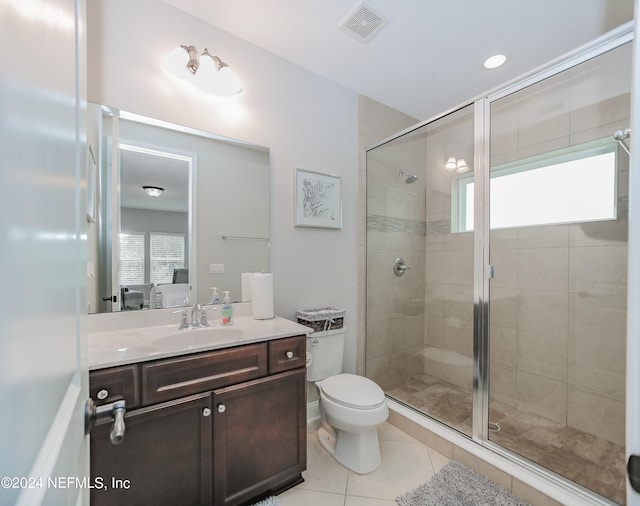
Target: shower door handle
<point x="633" y="468"/>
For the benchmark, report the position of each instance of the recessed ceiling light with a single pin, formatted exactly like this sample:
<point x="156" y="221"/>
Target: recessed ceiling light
<point x="494" y="61"/>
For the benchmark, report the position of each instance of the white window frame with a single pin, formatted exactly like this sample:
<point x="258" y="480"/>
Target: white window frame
<point x="142" y="261"/>
<point x="463" y="183"/>
<point x="181" y="261"/>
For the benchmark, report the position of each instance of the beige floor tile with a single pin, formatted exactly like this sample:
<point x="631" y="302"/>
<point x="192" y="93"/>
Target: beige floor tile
<point x="404" y="466"/>
<point x="299" y="497"/>
<point x="352" y="500"/>
<point x="387" y="432"/>
<point x="324" y="473"/>
<point x="438" y="461"/>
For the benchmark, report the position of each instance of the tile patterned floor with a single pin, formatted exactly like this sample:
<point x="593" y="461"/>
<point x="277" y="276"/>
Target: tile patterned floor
<point x="586" y="459"/>
<point x="406" y="463"/>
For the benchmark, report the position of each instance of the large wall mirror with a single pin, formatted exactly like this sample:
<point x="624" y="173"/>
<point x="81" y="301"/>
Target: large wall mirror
<point x="178" y="211"/>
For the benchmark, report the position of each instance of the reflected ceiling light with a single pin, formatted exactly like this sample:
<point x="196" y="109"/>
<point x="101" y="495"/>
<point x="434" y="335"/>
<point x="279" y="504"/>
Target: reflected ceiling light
<point x="153" y="191"/>
<point x="462" y="167"/>
<point x="211" y="75"/>
<point x="495" y="61"/>
<point x="450" y="166"/>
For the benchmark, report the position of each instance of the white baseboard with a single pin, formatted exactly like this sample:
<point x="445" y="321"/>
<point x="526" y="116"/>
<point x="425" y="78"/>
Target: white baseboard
<point x="313" y="412"/>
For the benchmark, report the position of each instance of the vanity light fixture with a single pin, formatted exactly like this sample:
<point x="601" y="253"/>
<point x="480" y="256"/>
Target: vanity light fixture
<point x="456" y="165"/>
<point x="153" y="191"/>
<point x="211" y="75"/>
<point x="450" y="166"/>
<point x="462" y="167"/>
<point x="495" y="61"/>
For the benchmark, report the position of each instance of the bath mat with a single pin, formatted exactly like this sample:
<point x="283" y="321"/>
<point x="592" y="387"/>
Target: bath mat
<point x="457" y="485"/>
<point x="269" y="501"/>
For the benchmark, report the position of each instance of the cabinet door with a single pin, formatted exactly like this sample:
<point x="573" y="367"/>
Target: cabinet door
<point x="260" y="437"/>
<point x="165" y="457"/>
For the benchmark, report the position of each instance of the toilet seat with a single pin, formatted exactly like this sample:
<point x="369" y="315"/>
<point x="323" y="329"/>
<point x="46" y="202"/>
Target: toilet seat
<point x="353" y="391"/>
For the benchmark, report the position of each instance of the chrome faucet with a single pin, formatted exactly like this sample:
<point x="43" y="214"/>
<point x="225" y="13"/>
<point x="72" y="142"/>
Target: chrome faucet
<point x="184" y="322"/>
<point x="195" y="324"/>
<point x="203" y="317"/>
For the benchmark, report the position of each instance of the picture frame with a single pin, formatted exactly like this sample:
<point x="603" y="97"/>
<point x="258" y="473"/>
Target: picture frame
<point x="318" y="199"/>
<point x="92" y="174"/>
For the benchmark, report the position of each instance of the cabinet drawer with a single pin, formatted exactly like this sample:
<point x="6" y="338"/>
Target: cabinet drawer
<point x="286" y="354"/>
<point x="172" y="378"/>
<point x="108" y="385"/>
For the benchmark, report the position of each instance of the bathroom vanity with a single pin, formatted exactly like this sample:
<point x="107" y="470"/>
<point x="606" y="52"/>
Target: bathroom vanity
<point x="213" y="416"/>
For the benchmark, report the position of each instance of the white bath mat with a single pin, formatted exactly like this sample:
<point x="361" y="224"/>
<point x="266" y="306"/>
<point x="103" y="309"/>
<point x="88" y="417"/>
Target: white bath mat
<point x="457" y="485"/>
<point x="269" y="501"/>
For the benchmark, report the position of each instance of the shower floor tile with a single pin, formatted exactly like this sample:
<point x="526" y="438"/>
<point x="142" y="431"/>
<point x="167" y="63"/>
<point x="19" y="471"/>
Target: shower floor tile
<point x="593" y="462"/>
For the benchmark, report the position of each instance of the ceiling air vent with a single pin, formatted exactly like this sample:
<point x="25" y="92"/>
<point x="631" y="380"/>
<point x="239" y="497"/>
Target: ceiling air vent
<point x="363" y="23"/>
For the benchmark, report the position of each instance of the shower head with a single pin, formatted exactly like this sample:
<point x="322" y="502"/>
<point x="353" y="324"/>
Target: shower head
<point x="411" y="178"/>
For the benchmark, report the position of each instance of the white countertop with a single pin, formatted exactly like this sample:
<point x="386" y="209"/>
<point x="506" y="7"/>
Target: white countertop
<point x="108" y="348"/>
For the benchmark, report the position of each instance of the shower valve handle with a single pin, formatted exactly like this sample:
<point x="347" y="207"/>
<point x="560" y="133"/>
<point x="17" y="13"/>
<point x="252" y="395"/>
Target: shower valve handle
<point x="399" y="267"/>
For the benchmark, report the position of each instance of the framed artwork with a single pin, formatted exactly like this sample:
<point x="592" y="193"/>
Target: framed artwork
<point x="318" y="200"/>
<point x="92" y="170"/>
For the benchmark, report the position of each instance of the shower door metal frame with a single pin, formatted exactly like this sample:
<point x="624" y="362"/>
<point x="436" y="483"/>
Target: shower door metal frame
<point x="483" y="270"/>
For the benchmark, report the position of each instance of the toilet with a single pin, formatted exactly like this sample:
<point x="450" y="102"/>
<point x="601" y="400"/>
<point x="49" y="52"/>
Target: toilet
<point x="351" y="406"/>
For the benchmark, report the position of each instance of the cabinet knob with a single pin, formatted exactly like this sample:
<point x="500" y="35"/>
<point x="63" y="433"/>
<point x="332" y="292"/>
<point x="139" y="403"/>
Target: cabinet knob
<point x="102" y="394"/>
<point x="206" y="412"/>
<point x="289" y="354"/>
<point x="221" y="408"/>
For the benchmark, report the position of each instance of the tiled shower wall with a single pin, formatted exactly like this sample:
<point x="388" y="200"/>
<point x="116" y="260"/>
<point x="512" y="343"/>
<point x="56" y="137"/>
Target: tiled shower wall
<point x="395" y="229"/>
<point x="396" y="218"/>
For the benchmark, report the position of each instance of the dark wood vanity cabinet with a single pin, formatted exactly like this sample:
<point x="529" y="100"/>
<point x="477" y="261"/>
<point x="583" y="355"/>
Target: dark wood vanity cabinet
<point x="225" y="427"/>
<point x="259" y="439"/>
<point x="165" y="457"/>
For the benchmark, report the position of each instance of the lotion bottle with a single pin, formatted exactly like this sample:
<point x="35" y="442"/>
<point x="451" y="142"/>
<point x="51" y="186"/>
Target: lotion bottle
<point x="227" y="309"/>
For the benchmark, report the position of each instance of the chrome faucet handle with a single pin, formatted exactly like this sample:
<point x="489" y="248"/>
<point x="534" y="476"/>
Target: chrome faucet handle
<point x="184" y="322"/>
<point x="194" y="316"/>
<point x="203" y="317"/>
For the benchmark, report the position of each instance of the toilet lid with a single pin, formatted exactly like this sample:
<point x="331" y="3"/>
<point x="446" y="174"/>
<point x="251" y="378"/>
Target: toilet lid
<point x="353" y="391"/>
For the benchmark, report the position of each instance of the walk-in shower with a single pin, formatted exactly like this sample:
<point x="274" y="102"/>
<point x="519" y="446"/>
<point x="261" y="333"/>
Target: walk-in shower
<point x="510" y="326"/>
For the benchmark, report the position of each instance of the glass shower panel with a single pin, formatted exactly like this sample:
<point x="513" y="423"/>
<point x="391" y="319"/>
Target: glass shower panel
<point x="558" y="298"/>
<point x="419" y="325"/>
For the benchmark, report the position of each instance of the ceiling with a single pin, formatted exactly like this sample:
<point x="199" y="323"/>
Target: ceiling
<point x="429" y="56"/>
<point x="140" y="168"/>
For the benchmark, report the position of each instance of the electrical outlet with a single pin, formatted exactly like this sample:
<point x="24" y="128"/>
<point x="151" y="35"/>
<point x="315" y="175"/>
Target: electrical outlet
<point x="216" y="268"/>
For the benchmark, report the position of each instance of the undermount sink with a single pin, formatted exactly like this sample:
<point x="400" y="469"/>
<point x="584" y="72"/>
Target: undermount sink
<point x="198" y="337"/>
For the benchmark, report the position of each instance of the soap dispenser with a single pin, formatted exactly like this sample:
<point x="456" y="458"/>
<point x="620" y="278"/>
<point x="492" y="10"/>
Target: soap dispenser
<point x="215" y="298"/>
<point x="227" y="309"/>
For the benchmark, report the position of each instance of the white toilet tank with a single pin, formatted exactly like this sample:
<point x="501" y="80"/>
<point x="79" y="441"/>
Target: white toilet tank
<point x="326" y="350"/>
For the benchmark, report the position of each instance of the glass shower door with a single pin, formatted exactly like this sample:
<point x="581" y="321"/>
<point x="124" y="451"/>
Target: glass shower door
<point x="419" y="324"/>
<point x="558" y="243"/>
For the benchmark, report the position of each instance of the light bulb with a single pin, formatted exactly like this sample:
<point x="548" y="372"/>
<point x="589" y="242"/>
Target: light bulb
<point x="450" y="166"/>
<point x="461" y="166"/>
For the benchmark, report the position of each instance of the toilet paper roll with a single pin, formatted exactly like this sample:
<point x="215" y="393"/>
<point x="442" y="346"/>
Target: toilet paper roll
<point x="245" y="279"/>
<point x="262" y="296"/>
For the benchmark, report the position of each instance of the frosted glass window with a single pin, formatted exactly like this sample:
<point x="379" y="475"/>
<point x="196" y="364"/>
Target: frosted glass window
<point x="167" y="253"/>
<point x="131" y="270"/>
<point x="561" y="187"/>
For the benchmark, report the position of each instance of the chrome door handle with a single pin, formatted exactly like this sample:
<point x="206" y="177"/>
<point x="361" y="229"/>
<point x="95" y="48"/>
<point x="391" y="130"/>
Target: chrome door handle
<point x="116" y="409"/>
